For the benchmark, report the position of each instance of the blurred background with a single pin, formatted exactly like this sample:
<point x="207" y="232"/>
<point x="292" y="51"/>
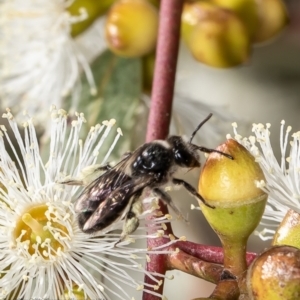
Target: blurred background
<point x="66" y="67"/>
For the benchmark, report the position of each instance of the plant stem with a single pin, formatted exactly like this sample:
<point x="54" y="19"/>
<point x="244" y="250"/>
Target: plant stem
<point x="161" y="104"/>
<point x="165" y="69"/>
<point x="235" y="255"/>
<point x="189" y="264"/>
<point x="211" y="254"/>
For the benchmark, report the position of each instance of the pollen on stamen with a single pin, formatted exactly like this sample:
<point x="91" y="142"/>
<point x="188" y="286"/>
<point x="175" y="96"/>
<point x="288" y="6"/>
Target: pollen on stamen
<point x="111" y="122"/>
<point x="100" y="287"/>
<point x="168" y="216"/>
<point x="74" y="123"/>
<point x="119" y="131"/>
<point x="130" y="240"/>
<point x="8" y="115"/>
<point x="105" y="122"/>
<point x="193" y="207"/>
<point x="140" y="287"/>
<point x="260" y="184"/>
<point x="172" y="237"/>
<point x="160" y="233"/>
<point x="164" y="226"/>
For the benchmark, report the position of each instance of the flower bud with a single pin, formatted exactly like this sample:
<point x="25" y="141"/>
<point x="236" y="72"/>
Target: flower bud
<point x="246" y="10"/>
<point x="131" y="28"/>
<point x="229" y="186"/>
<point x="273" y="18"/>
<point x="215" y="36"/>
<point x="94" y="9"/>
<point x="275" y="274"/>
<point x="288" y="232"/>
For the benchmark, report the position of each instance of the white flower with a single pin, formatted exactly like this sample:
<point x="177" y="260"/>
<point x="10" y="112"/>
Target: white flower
<point x="282" y="178"/>
<point x="39" y="60"/>
<point x="43" y="253"/>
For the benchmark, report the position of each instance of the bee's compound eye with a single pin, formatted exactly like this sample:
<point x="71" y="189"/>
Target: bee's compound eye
<point x="185" y="158"/>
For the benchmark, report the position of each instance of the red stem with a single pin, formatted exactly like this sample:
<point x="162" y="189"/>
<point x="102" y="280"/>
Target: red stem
<point x="165" y="69"/>
<point x="161" y="104"/>
<point x="208" y="253"/>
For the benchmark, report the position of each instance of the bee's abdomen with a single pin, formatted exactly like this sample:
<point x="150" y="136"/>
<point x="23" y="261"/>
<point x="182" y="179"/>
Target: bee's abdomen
<point x="108" y="211"/>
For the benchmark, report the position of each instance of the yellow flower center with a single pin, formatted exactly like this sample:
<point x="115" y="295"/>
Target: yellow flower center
<point x="41" y="230"/>
<point x="77" y="293"/>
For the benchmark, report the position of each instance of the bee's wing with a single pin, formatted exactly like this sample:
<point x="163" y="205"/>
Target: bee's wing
<point x="112" y="208"/>
<point x="99" y="189"/>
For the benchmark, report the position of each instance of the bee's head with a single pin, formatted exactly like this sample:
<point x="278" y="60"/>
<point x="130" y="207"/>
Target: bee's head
<point x="185" y="153"/>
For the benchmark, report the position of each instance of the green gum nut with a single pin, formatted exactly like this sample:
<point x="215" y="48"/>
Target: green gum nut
<point x="273" y="18"/>
<point x="215" y="36"/>
<point x="131" y="28"/>
<point x="229" y="186"/>
<point x="288" y="232"/>
<point x="275" y="274"/>
<point x="247" y="10"/>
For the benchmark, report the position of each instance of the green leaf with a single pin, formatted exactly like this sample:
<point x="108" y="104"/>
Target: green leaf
<point x="119" y="84"/>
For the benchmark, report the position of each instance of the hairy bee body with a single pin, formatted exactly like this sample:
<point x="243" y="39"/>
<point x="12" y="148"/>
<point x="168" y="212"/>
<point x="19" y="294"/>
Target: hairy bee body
<point x="116" y="192"/>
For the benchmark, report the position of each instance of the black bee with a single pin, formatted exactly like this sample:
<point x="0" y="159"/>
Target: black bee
<point x="115" y="193"/>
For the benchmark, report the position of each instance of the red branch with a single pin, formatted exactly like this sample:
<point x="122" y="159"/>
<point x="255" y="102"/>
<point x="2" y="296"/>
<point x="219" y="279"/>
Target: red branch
<point x="161" y="104"/>
<point x="165" y="69"/>
<point x="208" y="253"/>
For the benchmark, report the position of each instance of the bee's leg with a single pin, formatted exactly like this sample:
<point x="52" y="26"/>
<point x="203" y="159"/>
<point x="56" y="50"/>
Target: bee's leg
<point x="127" y="154"/>
<point x="131" y="222"/>
<point x="191" y="190"/>
<point x="86" y="175"/>
<point x="166" y="198"/>
<point x="105" y="167"/>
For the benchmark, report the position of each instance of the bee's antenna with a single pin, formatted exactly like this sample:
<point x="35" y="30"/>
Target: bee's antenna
<point x="199" y="126"/>
<point x="207" y="150"/>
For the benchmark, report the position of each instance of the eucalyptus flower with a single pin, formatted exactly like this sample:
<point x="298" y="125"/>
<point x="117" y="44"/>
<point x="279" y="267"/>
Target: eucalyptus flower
<point x="282" y="177"/>
<point x="43" y="253"/>
<point x="40" y="63"/>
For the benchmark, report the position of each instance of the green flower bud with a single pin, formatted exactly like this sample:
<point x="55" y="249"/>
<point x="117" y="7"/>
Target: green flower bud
<point x="215" y="36"/>
<point x="229" y="186"/>
<point x="275" y="275"/>
<point x="247" y="11"/>
<point x="131" y="28"/>
<point x="273" y="18"/>
<point x="288" y="232"/>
